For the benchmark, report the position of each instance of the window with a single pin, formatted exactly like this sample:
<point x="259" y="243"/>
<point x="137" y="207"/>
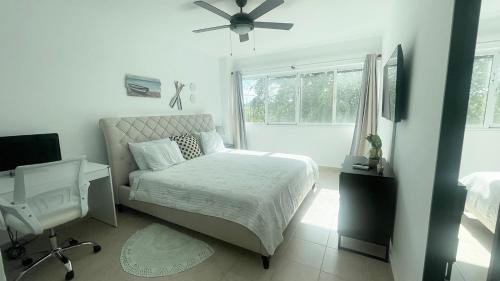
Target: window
<point x="479" y="89"/>
<point x="496" y="114"/>
<point x="281" y="99"/>
<point x="348" y="92"/>
<point x="316" y="97"/>
<point x="484" y="104"/>
<point x="254" y="91"/>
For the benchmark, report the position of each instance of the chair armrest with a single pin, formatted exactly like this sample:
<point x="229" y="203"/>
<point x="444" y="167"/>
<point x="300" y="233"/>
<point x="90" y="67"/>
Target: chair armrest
<point x="3" y="203"/>
<point x="22" y="213"/>
<point x="84" y="194"/>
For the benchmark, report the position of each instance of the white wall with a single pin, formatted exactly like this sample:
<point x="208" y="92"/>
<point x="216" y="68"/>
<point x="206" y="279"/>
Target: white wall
<point x="63" y="63"/>
<point x="489" y="29"/>
<point x="481" y="151"/>
<point x="423" y="28"/>
<point x="226" y="90"/>
<point x="327" y="145"/>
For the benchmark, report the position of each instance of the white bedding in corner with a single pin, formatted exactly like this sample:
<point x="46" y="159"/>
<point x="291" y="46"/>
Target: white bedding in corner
<point x="483" y="197"/>
<point x="258" y="190"/>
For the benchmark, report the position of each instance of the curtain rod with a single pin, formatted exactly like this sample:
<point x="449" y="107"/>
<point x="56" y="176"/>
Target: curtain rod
<point x="293" y="66"/>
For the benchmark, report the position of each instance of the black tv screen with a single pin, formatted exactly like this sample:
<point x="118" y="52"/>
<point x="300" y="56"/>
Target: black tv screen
<point x="392" y="91"/>
<point x="28" y="149"/>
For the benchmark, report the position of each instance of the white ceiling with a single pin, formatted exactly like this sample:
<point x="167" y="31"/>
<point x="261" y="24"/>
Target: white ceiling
<point x="317" y="22"/>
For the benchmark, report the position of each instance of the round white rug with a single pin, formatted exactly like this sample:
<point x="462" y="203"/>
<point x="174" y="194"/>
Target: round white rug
<point x="159" y="251"/>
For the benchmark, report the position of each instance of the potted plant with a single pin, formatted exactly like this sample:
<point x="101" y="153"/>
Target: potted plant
<point x="375" y="153"/>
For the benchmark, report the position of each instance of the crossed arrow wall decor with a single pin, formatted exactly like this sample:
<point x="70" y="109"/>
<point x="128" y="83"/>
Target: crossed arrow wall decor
<point x="176" y="99"/>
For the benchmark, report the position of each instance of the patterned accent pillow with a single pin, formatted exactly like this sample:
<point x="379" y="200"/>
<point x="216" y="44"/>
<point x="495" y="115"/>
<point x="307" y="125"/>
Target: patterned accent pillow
<point x="189" y="146"/>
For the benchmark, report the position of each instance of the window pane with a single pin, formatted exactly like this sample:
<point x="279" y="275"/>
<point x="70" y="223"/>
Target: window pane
<point x="496" y="114"/>
<point x="479" y="90"/>
<point x="348" y="92"/>
<point x="317" y="97"/>
<point x="254" y="92"/>
<point x="281" y="103"/>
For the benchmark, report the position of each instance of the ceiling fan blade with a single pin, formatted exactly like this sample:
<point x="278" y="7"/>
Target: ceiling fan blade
<point x="273" y="25"/>
<point x="210" y="28"/>
<point x="213" y="9"/>
<point x="265" y="7"/>
<point x="244" y="37"/>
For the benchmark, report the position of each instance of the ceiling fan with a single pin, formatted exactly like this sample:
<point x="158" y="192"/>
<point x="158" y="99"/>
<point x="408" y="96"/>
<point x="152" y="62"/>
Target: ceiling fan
<point x="242" y="23"/>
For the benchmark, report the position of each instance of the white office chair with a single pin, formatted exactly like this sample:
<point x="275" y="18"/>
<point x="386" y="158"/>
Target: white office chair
<point x="45" y="196"/>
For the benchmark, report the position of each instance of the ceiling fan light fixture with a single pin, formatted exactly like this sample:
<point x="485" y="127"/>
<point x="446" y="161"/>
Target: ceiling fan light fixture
<point x="243" y="23"/>
<point x="242" y="28"/>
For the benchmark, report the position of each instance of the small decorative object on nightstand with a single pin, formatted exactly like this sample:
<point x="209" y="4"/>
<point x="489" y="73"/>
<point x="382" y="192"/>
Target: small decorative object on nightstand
<point x="367" y="205"/>
<point x="375" y="150"/>
<point x="380" y="168"/>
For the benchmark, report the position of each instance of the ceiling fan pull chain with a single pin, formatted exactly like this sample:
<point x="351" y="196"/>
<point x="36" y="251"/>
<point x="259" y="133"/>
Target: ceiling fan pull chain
<point x="230" y="44"/>
<point x="254" y="38"/>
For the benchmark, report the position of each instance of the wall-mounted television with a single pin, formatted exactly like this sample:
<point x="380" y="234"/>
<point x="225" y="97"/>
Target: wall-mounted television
<point x="28" y="149"/>
<point x="392" y="95"/>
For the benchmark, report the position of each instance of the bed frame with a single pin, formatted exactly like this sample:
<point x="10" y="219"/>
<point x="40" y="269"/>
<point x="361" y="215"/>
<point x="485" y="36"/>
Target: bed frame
<point x="118" y="132"/>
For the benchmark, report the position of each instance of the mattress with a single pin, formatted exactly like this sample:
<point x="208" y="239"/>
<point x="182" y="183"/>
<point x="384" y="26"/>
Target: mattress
<point x="483" y="197"/>
<point x="258" y="190"/>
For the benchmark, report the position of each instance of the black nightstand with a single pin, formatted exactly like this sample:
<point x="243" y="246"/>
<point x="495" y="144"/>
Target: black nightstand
<point x="229" y="145"/>
<point x="367" y="205"/>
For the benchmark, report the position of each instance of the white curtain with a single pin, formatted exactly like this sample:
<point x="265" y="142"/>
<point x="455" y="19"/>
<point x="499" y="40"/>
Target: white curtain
<point x="366" y="121"/>
<point x="238" y="115"/>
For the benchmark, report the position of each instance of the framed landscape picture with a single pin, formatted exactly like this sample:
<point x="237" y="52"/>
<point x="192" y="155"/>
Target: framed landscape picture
<point x="143" y="86"/>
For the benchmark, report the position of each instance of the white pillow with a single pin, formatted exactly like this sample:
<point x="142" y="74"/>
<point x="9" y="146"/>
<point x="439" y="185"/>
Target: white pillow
<point x="211" y="142"/>
<point x="137" y="150"/>
<point x="159" y="156"/>
<point x="197" y="136"/>
<point x="175" y="153"/>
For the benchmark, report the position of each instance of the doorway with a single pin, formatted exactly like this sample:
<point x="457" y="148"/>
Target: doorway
<point x="467" y="210"/>
<point x="480" y="165"/>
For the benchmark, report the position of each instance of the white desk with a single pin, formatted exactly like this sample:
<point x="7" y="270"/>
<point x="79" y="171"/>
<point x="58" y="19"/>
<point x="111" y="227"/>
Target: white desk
<point x="101" y="198"/>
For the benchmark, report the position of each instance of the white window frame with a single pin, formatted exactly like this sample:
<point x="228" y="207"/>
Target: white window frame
<point x="357" y="66"/>
<point x="299" y="108"/>
<point x="259" y="76"/>
<point x="494" y="84"/>
<point x="492" y="97"/>
<point x="335" y="93"/>
<point x="266" y="101"/>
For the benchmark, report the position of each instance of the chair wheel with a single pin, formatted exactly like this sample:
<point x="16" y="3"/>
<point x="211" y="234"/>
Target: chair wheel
<point x="73" y="242"/>
<point x="70" y="275"/>
<point x="27" y="261"/>
<point x="97" y="249"/>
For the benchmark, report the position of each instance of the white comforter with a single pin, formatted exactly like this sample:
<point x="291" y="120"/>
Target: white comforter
<point x="258" y="190"/>
<point x="483" y="196"/>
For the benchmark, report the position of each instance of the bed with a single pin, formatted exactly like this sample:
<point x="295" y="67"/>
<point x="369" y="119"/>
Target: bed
<point x="483" y="197"/>
<point x="245" y="198"/>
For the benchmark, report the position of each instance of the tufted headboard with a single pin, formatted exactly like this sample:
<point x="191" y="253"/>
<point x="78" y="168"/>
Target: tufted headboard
<point x="118" y="132"/>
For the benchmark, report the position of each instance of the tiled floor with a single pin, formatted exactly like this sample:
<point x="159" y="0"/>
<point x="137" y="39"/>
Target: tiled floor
<point x="474" y="251"/>
<point x="309" y="251"/>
